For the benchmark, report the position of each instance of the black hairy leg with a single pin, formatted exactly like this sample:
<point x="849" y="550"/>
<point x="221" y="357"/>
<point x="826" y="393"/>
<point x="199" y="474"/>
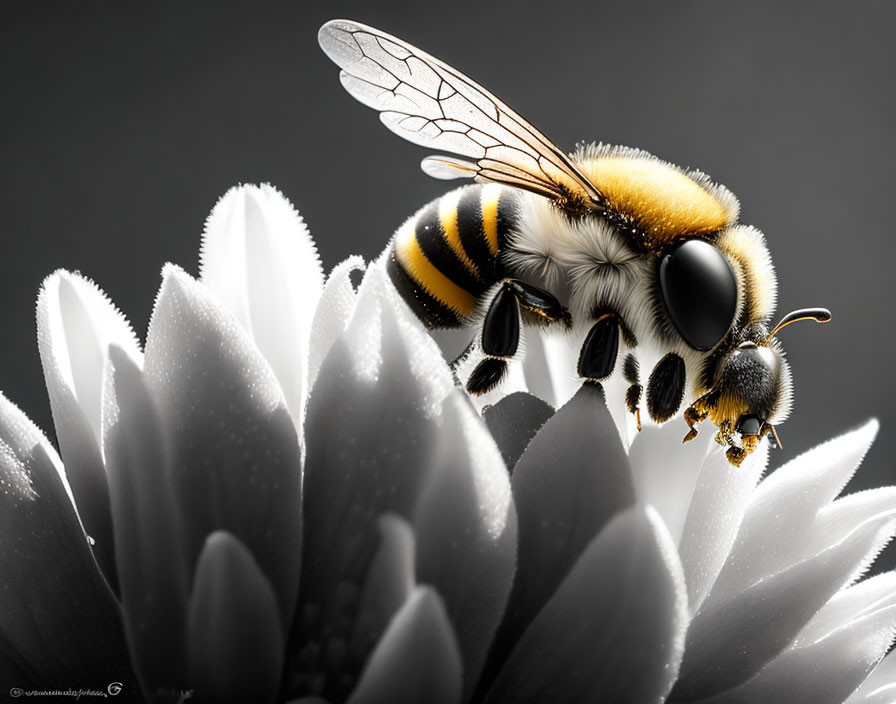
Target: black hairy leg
<point x="665" y="388"/>
<point x="597" y="357"/>
<point x="500" y="336"/>
<point x="631" y="373"/>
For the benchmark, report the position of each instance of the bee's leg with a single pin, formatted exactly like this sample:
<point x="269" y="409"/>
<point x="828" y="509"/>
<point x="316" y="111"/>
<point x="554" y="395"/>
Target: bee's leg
<point x="665" y="388"/>
<point x="600" y="349"/>
<point x="501" y="329"/>
<point x="692" y="416"/>
<point x="736" y="455"/>
<point x="500" y="341"/>
<point x="697" y="412"/>
<point x="542" y="306"/>
<point x="725" y="434"/>
<point x="630" y="371"/>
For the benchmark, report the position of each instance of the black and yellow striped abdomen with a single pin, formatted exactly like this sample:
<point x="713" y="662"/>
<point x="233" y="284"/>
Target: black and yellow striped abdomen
<point x="447" y="254"/>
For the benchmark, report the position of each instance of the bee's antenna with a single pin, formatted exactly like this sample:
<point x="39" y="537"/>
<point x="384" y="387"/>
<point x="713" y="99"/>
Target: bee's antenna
<point x="819" y="315"/>
<point x="777" y="439"/>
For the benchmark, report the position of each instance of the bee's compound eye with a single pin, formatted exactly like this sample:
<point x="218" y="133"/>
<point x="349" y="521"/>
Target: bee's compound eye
<point x="749" y="424"/>
<point x="700" y="292"/>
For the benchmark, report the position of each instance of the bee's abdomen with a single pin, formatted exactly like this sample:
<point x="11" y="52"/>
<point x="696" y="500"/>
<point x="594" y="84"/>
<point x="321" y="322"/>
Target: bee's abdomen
<point x="446" y="255"/>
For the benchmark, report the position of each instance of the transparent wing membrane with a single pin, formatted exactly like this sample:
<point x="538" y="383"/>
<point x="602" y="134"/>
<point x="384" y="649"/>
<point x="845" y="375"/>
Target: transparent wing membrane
<point x="431" y="104"/>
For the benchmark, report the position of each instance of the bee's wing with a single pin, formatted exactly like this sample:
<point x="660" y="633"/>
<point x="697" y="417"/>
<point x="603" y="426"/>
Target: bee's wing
<point x="429" y="103"/>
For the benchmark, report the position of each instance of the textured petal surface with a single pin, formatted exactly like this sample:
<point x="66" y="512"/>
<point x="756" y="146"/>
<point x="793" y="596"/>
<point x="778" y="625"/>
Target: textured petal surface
<point x="466" y="533"/>
<point x="235" y="458"/>
<point x="747" y="621"/>
<point x="152" y="570"/>
<point x="387" y="585"/>
<point x="848" y="605"/>
<point x="259" y="259"/>
<point x="714" y="516"/>
<point x="76" y="323"/>
<point x="334" y="311"/>
<point x="384" y="426"/>
<point x="880" y="687"/>
<point x="513" y="422"/>
<point x="416" y="661"/>
<point x="614" y="629"/>
<point x="829" y="660"/>
<point x="784" y="510"/>
<point x="572" y="479"/>
<point x="235" y="637"/>
<point x="53" y="599"/>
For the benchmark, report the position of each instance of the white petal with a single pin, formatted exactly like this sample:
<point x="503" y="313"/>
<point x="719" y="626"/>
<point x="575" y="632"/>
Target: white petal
<point x="334" y="311"/>
<point x="54" y="599"/>
<point x="513" y="422"/>
<point x="388" y="432"/>
<point x="573" y="478"/>
<point x="236" y="464"/>
<point x="388" y="584"/>
<point x="562" y="357"/>
<point x="465" y="523"/>
<point x="22" y="438"/>
<point x="259" y="259"/>
<point x="615" y="388"/>
<point x="235" y="638"/>
<point x="849" y="605"/>
<point x="614" y="629"/>
<point x="665" y="471"/>
<point x="714" y="517"/>
<point x="416" y="660"/>
<point x="376" y="294"/>
<point x="152" y="570"/>
<point x="749" y="629"/>
<point x="76" y="323"/>
<point x="536" y="368"/>
<point x="780" y="516"/>
<point x="880" y="686"/>
<point x="828" y="669"/>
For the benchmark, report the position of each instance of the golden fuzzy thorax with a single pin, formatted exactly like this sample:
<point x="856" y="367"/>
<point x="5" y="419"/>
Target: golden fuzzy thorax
<point x="662" y="200"/>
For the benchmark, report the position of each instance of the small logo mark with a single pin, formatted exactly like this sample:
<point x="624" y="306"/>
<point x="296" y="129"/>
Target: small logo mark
<point x="114" y="688"/>
<point x="16" y="692"/>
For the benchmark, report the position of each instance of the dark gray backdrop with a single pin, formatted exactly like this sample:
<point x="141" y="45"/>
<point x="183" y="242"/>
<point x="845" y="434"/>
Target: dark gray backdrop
<point x="120" y="125"/>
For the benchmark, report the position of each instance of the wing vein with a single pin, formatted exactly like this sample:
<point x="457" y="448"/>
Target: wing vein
<point x="433" y="104"/>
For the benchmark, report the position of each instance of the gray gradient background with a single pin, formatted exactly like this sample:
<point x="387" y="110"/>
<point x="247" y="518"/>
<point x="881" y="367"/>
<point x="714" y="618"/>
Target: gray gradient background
<point x="121" y="125"/>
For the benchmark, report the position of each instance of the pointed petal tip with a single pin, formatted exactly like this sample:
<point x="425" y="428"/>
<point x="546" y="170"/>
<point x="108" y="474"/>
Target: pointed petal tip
<point x="171" y="270"/>
<point x="333" y="313"/>
<point x="179" y="284"/>
<point x="259" y="260"/>
<point x="417" y="659"/>
<point x="861" y="436"/>
<point x="235" y="639"/>
<point x="76" y="323"/>
<point x="264" y="198"/>
<point x="636" y="621"/>
<point x="62" y="287"/>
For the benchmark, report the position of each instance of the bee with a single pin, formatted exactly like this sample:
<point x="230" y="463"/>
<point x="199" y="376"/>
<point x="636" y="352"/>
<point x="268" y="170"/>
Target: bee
<point x="647" y="259"/>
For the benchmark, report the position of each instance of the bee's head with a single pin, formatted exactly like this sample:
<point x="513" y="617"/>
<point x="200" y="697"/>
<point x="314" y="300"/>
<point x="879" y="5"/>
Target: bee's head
<point x="753" y="391"/>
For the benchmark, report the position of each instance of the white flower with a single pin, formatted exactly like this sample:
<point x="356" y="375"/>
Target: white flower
<point x="290" y="499"/>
